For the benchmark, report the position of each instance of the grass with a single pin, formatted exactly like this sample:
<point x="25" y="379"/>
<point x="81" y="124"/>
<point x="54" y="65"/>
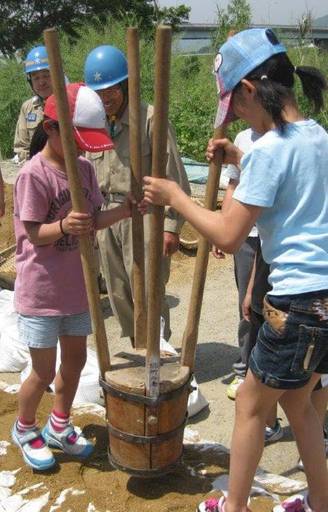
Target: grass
<point x="193" y="96"/>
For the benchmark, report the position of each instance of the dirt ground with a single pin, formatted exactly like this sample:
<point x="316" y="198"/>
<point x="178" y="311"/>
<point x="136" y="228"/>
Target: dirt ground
<point x="110" y="490"/>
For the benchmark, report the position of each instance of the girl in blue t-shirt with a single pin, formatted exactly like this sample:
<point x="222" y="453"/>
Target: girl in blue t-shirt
<point x="284" y="190"/>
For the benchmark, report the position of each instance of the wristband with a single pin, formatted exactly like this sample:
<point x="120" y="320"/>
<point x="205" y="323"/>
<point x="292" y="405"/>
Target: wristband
<point x="61" y="227"/>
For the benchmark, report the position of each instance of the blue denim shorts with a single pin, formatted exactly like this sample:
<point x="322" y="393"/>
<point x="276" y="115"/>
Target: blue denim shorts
<point x="286" y="360"/>
<point x="44" y="331"/>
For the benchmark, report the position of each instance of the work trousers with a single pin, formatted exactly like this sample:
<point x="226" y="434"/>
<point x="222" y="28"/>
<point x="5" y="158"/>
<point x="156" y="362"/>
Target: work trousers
<point x="116" y="255"/>
<point x="244" y="260"/>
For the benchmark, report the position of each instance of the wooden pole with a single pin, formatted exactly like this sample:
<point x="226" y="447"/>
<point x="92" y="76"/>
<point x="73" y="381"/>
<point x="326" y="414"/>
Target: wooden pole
<point x="159" y="160"/>
<point x="139" y="292"/>
<point x="78" y="202"/>
<point x="190" y="335"/>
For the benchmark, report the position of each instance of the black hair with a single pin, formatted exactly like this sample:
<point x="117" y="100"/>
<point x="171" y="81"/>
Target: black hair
<point x="124" y="87"/>
<point x="125" y="91"/>
<point x="40" y="137"/>
<point x="275" y="81"/>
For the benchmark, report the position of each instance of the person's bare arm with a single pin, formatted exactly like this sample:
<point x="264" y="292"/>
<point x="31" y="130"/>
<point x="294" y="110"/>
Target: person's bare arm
<point x="226" y="203"/>
<point x="247" y="302"/>
<point x="226" y="230"/>
<point x="73" y="224"/>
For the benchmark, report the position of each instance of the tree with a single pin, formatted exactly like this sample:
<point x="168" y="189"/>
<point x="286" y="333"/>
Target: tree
<point x="23" y="21"/>
<point x="174" y="16"/>
<point x="237" y="16"/>
<point x="305" y="26"/>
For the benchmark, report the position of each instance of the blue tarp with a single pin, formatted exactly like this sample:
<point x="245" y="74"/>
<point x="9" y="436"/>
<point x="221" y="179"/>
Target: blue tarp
<point x="197" y="172"/>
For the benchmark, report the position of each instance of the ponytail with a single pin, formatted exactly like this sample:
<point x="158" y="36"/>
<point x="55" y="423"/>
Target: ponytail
<point x="313" y="84"/>
<point x="275" y="81"/>
<point x="272" y="97"/>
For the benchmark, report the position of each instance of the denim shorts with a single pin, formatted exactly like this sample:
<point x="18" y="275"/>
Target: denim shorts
<point x="44" y="331"/>
<point x="287" y="360"/>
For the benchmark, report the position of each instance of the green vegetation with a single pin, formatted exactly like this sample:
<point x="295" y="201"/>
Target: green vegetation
<point x="193" y="91"/>
<point x="23" y="21"/>
<point x="237" y="16"/>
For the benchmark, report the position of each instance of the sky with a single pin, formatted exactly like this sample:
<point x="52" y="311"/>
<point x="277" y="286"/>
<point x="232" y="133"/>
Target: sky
<point x="283" y="12"/>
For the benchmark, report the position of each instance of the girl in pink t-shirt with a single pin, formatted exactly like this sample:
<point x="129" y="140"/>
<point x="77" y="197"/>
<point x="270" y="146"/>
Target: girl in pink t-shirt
<point x="50" y="295"/>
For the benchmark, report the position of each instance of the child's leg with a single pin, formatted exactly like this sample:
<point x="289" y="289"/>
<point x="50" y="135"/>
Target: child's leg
<point x="41" y="376"/>
<point x="257" y="321"/>
<point x="307" y="429"/>
<point x="319" y="399"/>
<point x="59" y="431"/>
<point x="254" y="401"/>
<point x="73" y="358"/>
<point x="25" y="433"/>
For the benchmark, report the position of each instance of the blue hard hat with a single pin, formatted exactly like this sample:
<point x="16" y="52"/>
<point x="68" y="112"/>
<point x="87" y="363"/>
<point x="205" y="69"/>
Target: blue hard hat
<point x="36" y="59"/>
<point x="105" y="66"/>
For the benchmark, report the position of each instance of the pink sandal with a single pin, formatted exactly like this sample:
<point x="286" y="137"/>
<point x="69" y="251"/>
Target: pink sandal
<point x="297" y="503"/>
<point x="212" y="505"/>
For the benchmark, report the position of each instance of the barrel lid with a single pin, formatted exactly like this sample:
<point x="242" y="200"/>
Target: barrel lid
<point x="128" y="373"/>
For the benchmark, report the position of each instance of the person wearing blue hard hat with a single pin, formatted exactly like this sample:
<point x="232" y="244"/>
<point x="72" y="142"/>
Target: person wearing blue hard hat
<point x="36" y="66"/>
<point x="104" y="67"/>
<point x="283" y="188"/>
<point x="106" y="72"/>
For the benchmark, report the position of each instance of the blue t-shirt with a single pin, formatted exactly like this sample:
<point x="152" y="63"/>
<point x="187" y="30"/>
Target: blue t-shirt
<point x="287" y="175"/>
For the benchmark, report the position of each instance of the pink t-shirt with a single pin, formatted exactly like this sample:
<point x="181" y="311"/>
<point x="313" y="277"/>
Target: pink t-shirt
<point x="49" y="278"/>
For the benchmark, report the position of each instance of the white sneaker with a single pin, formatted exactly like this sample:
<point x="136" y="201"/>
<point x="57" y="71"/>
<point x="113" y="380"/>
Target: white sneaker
<point x="71" y="440"/>
<point x="233" y="387"/>
<point x="40" y="458"/>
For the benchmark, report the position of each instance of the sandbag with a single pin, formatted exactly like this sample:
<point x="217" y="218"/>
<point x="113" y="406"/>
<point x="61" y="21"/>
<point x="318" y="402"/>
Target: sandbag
<point x="88" y="390"/>
<point x="196" y="401"/>
<point x="14" y="354"/>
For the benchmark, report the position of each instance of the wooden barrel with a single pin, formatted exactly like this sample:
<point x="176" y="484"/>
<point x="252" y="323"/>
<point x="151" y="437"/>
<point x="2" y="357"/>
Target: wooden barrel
<point x="189" y="235"/>
<point x="145" y="435"/>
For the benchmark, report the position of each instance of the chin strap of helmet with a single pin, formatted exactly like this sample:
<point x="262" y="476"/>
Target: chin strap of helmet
<point x="112" y="126"/>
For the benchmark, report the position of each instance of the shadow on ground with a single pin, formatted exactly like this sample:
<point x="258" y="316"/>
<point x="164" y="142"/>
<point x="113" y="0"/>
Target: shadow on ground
<point x="214" y="360"/>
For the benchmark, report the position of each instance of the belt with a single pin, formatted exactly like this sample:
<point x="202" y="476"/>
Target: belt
<point x="276" y="318"/>
<point x="116" y="197"/>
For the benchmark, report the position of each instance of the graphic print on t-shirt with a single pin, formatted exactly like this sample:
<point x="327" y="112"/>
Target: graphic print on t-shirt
<point x="60" y="207"/>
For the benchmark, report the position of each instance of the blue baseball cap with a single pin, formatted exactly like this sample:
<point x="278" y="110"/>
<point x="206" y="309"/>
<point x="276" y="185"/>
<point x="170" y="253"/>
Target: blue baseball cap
<point x="237" y="57"/>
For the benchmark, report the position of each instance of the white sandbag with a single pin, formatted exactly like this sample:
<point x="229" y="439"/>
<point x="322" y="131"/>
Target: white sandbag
<point x="7" y="305"/>
<point x="12" y="504"/>
<point x="196" y="401"/>
<point x="88" y="390"/>
<point x="5" y="492"/>
<point x="14" y="354"/>
<point x="36" y="504"/>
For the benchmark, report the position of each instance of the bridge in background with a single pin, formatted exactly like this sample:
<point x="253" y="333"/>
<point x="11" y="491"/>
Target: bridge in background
<point x="197" y="38"/>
